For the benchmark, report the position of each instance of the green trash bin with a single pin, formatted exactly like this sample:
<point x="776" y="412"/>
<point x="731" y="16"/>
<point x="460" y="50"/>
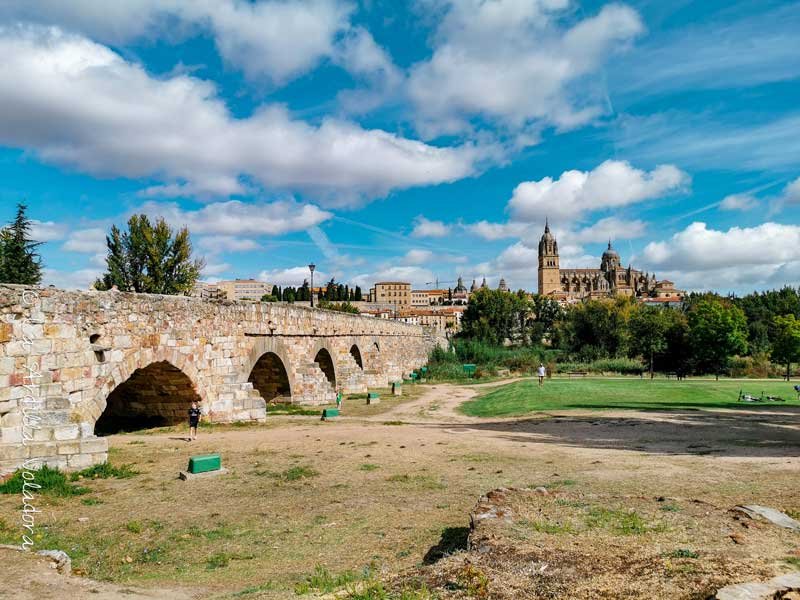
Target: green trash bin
<point x="469" y="370"/>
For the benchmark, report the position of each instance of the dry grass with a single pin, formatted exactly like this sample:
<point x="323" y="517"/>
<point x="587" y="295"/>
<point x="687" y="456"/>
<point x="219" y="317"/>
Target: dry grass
<point x="342" y="495"/>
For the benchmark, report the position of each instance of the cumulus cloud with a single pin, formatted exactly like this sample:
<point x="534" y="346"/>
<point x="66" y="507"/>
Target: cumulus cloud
<point x="47" y="231"/>
<point x="496" y="231"/>
<point x="426" y="228"/>
<point x="278" y="39"/>
<point x="610" y="228"/>
<point x="791" y="193"/>
<point x="235" y="218"/>
<point x="293" y="276"/>
<point x="80" y="279"/>
<point x="78" y="103"/>
<point x="612" y="184"/>
<point x="417" y="257"/>
<point x="226" y="243"/>
<point x="701" y="258"/>
<point x="414" y="274"/>
<point x="86" y="241"/>
<point x="515" y="62"/>
<point x="738" y="202"/>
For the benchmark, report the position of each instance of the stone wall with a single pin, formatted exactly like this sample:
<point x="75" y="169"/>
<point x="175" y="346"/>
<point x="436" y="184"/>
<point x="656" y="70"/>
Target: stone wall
<point x="63" y="355"/>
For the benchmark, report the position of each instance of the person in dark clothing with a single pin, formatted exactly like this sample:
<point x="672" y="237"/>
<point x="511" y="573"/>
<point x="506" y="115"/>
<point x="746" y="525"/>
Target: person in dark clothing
<point x="194" y="420"/>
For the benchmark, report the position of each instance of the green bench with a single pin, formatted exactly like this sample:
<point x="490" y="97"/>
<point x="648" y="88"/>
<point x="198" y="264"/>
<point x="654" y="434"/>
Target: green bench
<point x="469" y="369"/>
<point x="373" y="398"/>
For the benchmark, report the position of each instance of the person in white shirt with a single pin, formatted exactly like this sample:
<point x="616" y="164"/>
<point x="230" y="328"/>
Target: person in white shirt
<point x="541" y="372"/>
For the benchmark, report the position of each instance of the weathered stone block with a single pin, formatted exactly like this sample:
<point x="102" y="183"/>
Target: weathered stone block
<point x="69" y="448"/>
<point x="94" y="445"/>
<point x="66" y="432"/>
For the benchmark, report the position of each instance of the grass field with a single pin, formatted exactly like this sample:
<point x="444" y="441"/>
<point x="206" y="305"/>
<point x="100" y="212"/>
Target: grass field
<point x="638" y="394"/>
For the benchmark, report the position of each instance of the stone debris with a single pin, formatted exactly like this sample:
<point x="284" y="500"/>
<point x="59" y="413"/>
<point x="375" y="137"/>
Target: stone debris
<point x="59" y="560"/>
<point x="776" y="588"/>
<point x="775" y="517"/>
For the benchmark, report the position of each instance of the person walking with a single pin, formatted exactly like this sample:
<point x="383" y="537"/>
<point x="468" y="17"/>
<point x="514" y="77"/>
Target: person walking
<point x="194" y="421"/>
<point x="541" y="372"/>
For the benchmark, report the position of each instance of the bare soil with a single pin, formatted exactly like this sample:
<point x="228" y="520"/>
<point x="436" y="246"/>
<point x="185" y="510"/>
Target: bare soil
<point x="393" y="485"/>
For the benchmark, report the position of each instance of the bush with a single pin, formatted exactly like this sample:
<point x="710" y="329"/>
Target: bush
<point x="105" y="471"/>
<point x="756" y="366"/>
<point x="623" y="366"/>
<point x="50" y="481"/>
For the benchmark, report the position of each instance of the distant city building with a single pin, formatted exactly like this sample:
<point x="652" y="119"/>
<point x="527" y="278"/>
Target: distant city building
<point x="502" y="287"/>
<point x="244" y="289"/>
<point x="609" y="280"/>
<point x="397" y="293"/>
<point x="460" y="293"/>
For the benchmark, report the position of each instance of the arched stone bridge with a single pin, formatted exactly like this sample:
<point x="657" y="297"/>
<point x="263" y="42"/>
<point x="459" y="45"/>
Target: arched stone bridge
<point x="77" y="365"/>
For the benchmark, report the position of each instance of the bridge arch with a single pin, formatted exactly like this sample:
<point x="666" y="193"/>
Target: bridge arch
<point x="155" y="395"/>
<point x="270" y="370"/>
<point x="324" y="360"/>
<point x="355" y="352"/>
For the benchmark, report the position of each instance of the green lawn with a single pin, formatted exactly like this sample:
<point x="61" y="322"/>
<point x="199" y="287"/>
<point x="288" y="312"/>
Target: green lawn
<point x="595" y="393"/>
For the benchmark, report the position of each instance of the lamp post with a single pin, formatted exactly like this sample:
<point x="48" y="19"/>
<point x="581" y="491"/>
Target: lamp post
<point x="311" y="268"/>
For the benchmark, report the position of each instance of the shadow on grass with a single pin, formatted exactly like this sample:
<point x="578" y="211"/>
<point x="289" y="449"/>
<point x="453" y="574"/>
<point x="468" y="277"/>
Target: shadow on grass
<point x="453" y="540"/>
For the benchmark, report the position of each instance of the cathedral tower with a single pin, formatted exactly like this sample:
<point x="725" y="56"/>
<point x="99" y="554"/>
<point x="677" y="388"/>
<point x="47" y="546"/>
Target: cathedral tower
<point x="549" y="271"/>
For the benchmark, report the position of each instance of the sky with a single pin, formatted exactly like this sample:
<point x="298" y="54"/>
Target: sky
<point x="414" y="141"/>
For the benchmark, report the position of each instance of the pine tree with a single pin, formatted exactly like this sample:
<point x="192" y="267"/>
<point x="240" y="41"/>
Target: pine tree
<point x="150" y="259"/>
<point x="19" y="262"/>
<point x="358" y="296"/>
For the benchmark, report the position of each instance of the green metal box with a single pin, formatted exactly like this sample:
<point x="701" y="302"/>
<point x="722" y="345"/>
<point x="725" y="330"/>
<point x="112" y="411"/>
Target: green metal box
<point x="469" y="369"/>
<point x="327" y="413"/>
<point x="204" y="463"/>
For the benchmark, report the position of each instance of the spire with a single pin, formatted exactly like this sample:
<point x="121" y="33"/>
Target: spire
<point x="609" y="243"/>
<point x="546" y="225"/>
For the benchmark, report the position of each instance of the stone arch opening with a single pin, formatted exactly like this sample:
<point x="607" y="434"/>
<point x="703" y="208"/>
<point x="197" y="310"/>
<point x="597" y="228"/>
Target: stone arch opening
<point x="325" y="362"/>
<point x="157" y="395"/>
<point x="270" y="378"/>
<point x="356" y="354"/>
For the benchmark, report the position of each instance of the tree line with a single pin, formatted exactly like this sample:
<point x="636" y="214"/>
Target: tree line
<point x="332" y="292"/>
<point x="706" y="335"/>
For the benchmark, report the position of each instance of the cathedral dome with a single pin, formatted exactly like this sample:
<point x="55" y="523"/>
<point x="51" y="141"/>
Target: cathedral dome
<point x="610" y="253"/>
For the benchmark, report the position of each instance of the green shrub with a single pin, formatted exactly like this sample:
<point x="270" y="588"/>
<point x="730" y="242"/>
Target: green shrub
<point x="50" y="481"/>
<point x="105" y="471"/>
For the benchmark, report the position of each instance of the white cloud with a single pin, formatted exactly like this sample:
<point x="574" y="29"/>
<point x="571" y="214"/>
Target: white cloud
<point x="610" y="228"/>
<point x="274" y="39"/>
<point x="738" y="202"/>
<point x="791" y="193"/>
<point x="80" y="279"/>
<point x="47" y="231"/>
<point x="416" y="275"/>
<point x="226" y="243"/>
<point x="213" y="269"/>
<point x="293" y="276"/>
<point x="515" y="62"/>
<point x="86" y="241"/>
<point x="418" y="257"/>
<point x="426" y="228"/>
<point x="77" y="103"/>
<point x="702" y="258"/>
<point x="496" y="231"/>
<point x="235" y="218"/>
<point x="576" y="193"/>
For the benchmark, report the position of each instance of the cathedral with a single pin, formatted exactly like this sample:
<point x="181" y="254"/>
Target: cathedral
<point x="610" y="279"/>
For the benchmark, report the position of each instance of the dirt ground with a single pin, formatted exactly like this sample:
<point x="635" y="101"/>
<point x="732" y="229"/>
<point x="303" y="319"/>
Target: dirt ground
<point x="390" y="486"/>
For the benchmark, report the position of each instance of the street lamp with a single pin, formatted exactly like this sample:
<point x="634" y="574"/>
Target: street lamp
<point x="311" y="268"/>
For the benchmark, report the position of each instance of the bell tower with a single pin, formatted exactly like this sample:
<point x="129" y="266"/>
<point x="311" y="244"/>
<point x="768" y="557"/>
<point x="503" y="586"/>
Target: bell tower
<point x="549" y="271"/>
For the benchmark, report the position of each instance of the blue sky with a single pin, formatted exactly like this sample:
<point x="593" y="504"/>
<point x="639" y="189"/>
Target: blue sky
<point x="410" y="140"/>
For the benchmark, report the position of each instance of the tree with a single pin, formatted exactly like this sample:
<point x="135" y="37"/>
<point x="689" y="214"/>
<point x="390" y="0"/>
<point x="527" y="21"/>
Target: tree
<point x="19" y="262"/>
<point x="546" y="312"/>
<point x="493" y="316"/>
<point x="150" y="259"/>
<point x="595" y="328"/>
<point x="786" y="348"/>
<point x="269" y="298"/>
<point x="647" y="329"/>
<point x="344" y="307"/>
<point x="717" y="331"/>
<point x="359" y="297"/>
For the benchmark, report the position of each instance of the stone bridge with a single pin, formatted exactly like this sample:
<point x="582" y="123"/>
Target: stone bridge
<point x="75" y="366"/>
